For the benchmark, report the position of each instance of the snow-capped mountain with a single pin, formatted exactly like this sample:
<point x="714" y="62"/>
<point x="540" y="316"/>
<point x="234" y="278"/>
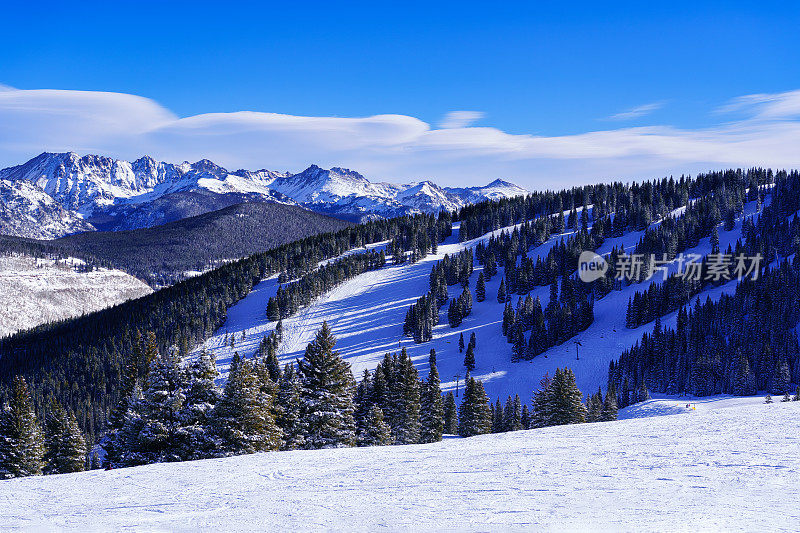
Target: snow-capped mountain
<point x="96" y="192"/>
<point x="28" y="211"/>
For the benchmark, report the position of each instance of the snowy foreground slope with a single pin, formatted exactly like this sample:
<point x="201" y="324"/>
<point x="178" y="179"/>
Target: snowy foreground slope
<point x="709" y="470"/>
<point x="36" y="291"/>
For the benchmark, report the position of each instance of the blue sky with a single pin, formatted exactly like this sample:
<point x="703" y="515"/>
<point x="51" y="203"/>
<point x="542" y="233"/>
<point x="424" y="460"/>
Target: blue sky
<point x="541" y="70"/>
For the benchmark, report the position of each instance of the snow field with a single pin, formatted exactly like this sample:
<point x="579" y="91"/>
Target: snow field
<point x="708" y="470"/>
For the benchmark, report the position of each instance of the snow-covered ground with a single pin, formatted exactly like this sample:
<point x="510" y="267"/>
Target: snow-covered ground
<point x="706" y="470"/>
<point x="37" y="291"/>
<point x="367" y="312"/>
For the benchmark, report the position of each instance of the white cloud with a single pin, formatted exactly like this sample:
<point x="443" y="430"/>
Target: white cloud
<point x="392" y="147"/>
<point x="461" y="119"/>
<point x="637" y="112"/>
<point x="766" y="106"/>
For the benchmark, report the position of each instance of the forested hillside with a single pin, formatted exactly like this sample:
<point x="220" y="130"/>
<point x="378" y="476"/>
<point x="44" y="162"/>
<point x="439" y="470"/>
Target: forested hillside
<point x="162" y="255"/>
<point x="524" y="254"/>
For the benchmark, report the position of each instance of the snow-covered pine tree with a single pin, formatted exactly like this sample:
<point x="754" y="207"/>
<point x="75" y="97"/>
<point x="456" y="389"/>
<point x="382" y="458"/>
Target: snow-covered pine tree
<point x="153" y="428"/>
<point x="432" y="407"/>
<point x="461" y="342"/>
<point x="112" y="439"/>
<point x="243" y="420"/>
<point x="594" y="406"/>
<point x="327" y="410"/>
<point x="64" y="442"/>
<point x="287" y="408"/>
<point x="609" y="411"/>
<point x="405" y="391"/>
<point x="21" y="440"/>
<point x="567" y="407"/>
<point x="475" y="416"/>
<point x="201" y="395"/>
<point x="375" y="431"/>
<point x="450" y="415"/>
<point x="542" y="411"/>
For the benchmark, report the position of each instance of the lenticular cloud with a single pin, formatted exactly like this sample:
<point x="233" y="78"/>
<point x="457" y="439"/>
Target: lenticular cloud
<point x="392" y="147"/>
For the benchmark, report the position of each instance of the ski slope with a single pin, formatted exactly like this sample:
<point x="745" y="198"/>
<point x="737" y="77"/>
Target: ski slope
<point x="708" y="470"/>
<point x="367" y="312"/>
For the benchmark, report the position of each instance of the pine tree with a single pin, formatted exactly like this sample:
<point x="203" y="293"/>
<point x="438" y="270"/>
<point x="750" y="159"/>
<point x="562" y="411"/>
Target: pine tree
<point x="461" y="342"/>
<point x="273" y="311"/>
<point x="326" y="401"/>
<point x="64" y="442"/>
<point x="525" y="419"/>
<point x="502" y="297"/>
<point x="432" y="407"/>
<point x="375" y="432"/>
<point x="543" y="404"/>
<point x="497" y="417"/>
<point x="21" y="440"/>
<point x="243" y="421"/>
<point x="201" y="395"/>
<point x="567" y="400"/>
<point x="287" y="409"/>
<point x="469" y="358"/>
<point x="512" y="416"/>
<point x="480" y="288"/>
<point x="407" y="401"/>
<point x="609" y="411"/>
<point x="474" y="416"/>
<point x="786" y="398"/>
<point x="153" y="430"/>
<point x="450" y="415"/>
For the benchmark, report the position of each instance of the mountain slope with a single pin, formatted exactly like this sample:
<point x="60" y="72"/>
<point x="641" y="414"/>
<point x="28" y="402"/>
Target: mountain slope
<point x="729" y="469"/>
<point x="110" y="194"/>
<point x="36" y="291"/>
<point x="164" y="254"/>
<point x="367" y="313"/>
<point x="28" y="211"/>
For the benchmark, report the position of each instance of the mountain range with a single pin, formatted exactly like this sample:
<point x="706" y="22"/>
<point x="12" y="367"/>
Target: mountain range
<point x="56" y="194"/>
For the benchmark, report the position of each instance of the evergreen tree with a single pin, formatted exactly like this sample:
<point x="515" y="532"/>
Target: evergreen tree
<point x="512" y="414"/>
<point x="474" y="416"/>
<point x="525" y="419"/>
<point x="153" y="430"/>
<point x="64" y="442"/>
<point x="201" y="395"/>
<point x="609" y="411"/>
<point x="21" y="440"/>
<point x="497" y="417"/>
<point x="432" y="408"/>
<point x="469" y="358"/>
<point x="287" y="409"/>
<point x="450" y="415"/>
<point x="567" y="401"/>
<point x="480" y="288"/>
<point x="407" y="401"/>
<point x="541" y="415"/>
<point x="326" y="401"/>
<point x="502" y="297"/>
<point x="461" y="342"/>
<point x="375" y="432"/>
<point x="243" y="420"/>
